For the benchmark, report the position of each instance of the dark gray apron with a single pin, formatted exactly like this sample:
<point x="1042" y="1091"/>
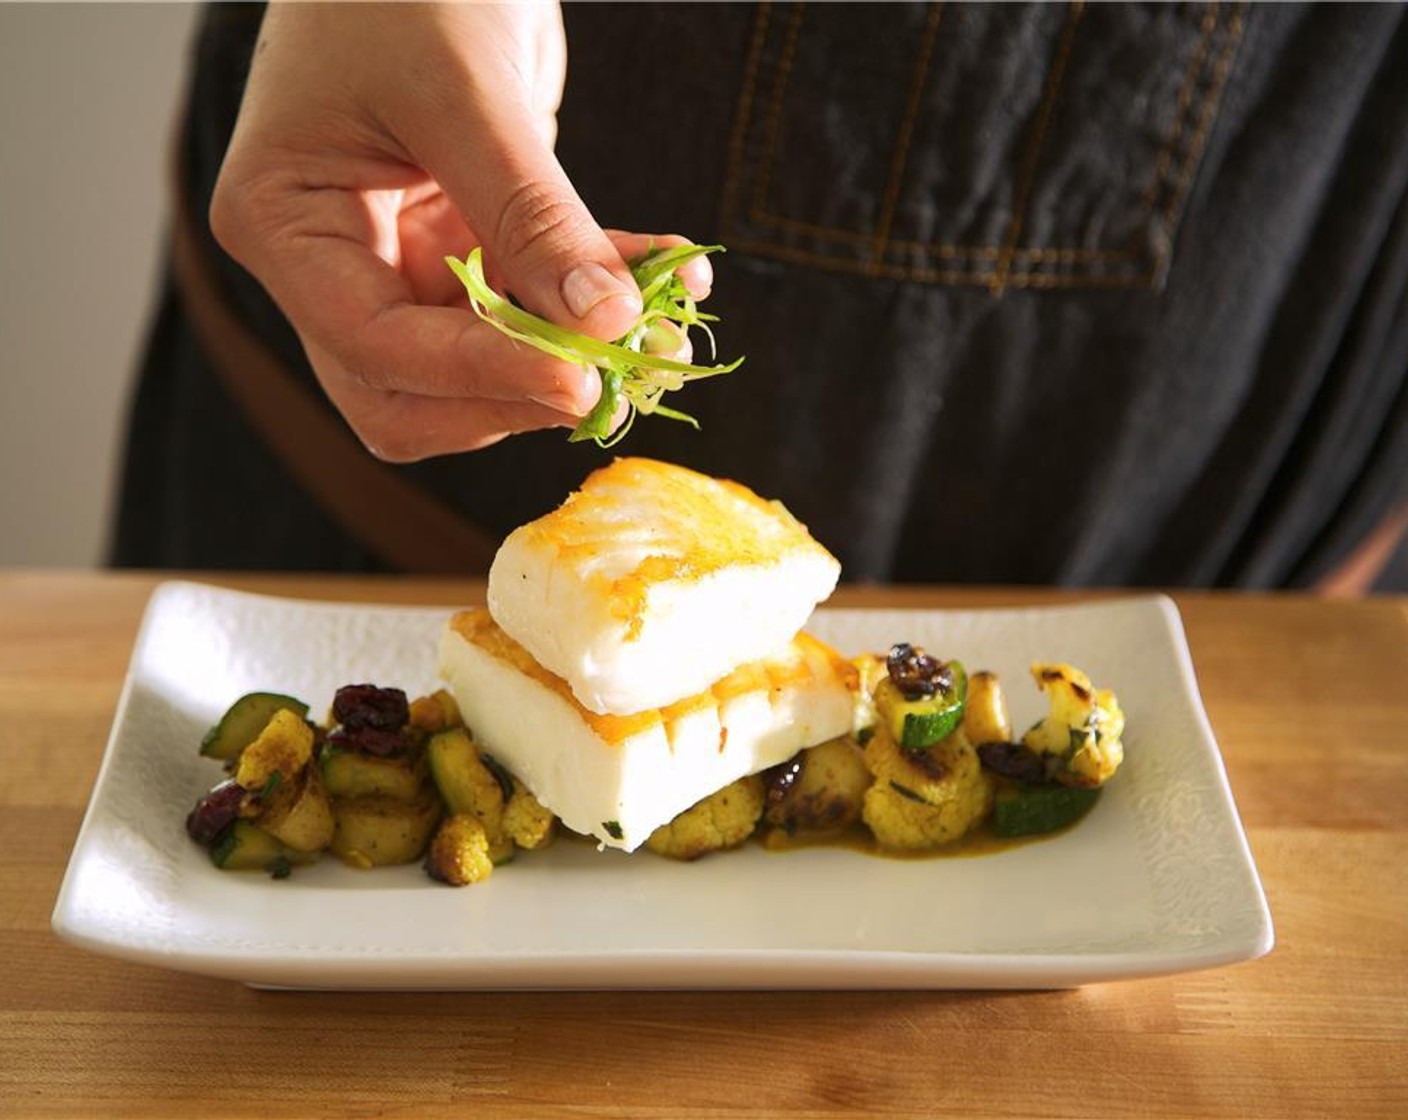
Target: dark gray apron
<point x="1094" y="295"/>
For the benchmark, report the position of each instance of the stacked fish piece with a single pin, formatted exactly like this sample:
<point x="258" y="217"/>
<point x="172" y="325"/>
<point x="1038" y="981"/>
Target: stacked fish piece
<point x="642" y="648"/>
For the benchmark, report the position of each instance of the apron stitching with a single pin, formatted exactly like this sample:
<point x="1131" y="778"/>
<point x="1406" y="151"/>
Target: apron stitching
<point x="1172" y="210"/>
<point x="988" y="252"/>
<point x="985" y="252"/>
<point x="774" y="121"/>
<point x="981" y="273"/>
<point x="898" y="272"/>
<point x="1032" y="156"/>
<point x="737" y="142"/>
<point x="911" y="113"/>
<point x="759" y="215"/>
<point x="1182" y="115"/>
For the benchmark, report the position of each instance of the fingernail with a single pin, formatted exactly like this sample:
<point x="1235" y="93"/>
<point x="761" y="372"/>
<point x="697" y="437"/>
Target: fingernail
<point x="590" y="284"/>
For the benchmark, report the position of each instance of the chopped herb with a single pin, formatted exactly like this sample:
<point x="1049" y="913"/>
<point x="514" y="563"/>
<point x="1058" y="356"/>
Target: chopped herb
<point x="280" y="869"/>
<point x="273" y="783"/>
<point x="613" y="829"/>
<point x="864" y="735"/>
<point x="628" y="369"/>
<point x="905" y="791"/>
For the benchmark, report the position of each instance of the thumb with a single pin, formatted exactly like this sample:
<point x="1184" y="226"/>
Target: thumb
<point x="536" y="231"/>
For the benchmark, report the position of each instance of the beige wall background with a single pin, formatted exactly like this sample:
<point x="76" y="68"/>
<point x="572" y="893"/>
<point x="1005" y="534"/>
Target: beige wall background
<point x="87" y="96"/>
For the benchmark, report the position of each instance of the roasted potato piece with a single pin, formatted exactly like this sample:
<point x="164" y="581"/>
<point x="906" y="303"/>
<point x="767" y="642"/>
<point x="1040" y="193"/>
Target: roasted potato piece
<point x="299" y="814"/>
<point x="1082" y="730"/>
<point x="377" y="831"/>
<point x="724" y="819"/>
<point x="985" y="718"/>
<point x="459" y="854"/>
<point x="822" y="788"/>
<point x="924" y="798"/>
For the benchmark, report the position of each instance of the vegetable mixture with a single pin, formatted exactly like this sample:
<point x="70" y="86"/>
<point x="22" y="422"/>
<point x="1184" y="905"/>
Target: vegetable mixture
<point x="391" y="781"/>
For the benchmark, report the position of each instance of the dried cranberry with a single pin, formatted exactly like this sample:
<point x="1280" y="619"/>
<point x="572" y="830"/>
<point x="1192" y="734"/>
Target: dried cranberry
<point x="214" y="813"/>
<point x="373" y="740"/>
<point x="1013" y="760"/>
<point x="915" y="673"/>
<point x="365" y="705"/>
<point x="778" y="780"/>
<point x="368" y="740"/>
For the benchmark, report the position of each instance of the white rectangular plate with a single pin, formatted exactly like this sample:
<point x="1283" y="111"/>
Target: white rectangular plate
<point x="1157" y="879"/>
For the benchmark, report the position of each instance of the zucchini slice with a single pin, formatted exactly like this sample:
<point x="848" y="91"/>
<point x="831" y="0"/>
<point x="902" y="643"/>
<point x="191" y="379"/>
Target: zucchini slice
<point x="923" y="722"/>
<point x="469" y="782"/>
<point x="243" y="721"/>
<point x="1022" y="809"/>
<point x="247" y="847"/>
<point x="466" y="784"/>
<point x="352" y="774"/>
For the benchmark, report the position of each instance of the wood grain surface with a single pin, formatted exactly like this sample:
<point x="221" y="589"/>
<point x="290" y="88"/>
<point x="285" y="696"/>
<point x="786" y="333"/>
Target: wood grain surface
<point x="1309" y="699"/>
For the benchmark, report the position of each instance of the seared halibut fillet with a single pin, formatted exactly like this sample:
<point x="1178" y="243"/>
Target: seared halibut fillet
<point x="618" y="778"/>
<point x="653" y="581"/>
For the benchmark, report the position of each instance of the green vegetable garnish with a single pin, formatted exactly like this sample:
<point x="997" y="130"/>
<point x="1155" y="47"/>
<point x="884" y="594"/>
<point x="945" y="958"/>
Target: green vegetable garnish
<point x="613" y="829"/>
<point x="1022" y="809"/>
<point x="628" y="368"/>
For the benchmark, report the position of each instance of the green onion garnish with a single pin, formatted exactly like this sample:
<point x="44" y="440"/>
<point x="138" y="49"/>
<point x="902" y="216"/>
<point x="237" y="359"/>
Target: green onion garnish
<point x="627" y="368"/>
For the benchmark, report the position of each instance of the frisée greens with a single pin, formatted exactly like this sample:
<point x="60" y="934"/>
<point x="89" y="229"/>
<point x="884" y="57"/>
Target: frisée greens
<point x="631" y="368"/>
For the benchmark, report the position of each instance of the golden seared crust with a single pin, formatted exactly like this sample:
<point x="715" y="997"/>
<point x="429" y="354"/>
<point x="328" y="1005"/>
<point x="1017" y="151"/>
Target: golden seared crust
<point x="794" y="668"/>
<point x="698" y="526"/>
<point x="844" y="669"/>
<point x="479" y="629"/>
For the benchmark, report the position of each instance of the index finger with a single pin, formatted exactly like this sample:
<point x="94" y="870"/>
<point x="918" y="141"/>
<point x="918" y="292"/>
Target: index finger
<point x="348" y="301"/>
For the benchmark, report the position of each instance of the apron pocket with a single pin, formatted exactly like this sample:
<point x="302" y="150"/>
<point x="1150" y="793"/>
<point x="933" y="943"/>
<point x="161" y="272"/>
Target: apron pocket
<point x="1004" y="145"/>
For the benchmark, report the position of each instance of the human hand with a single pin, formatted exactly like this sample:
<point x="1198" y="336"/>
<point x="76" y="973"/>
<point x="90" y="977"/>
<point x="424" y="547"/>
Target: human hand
<point x="374" y="141"/>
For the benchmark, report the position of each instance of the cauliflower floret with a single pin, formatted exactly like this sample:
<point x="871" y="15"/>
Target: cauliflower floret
<point x="1081" y="734"/>
<point x="284" y="747"/>
<point x="724" y="819"/>
<point x="459" y="854"/>
<point x="526" y="821"/>
<point x="924" y="798"/>
<point x="821" y="788"/>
